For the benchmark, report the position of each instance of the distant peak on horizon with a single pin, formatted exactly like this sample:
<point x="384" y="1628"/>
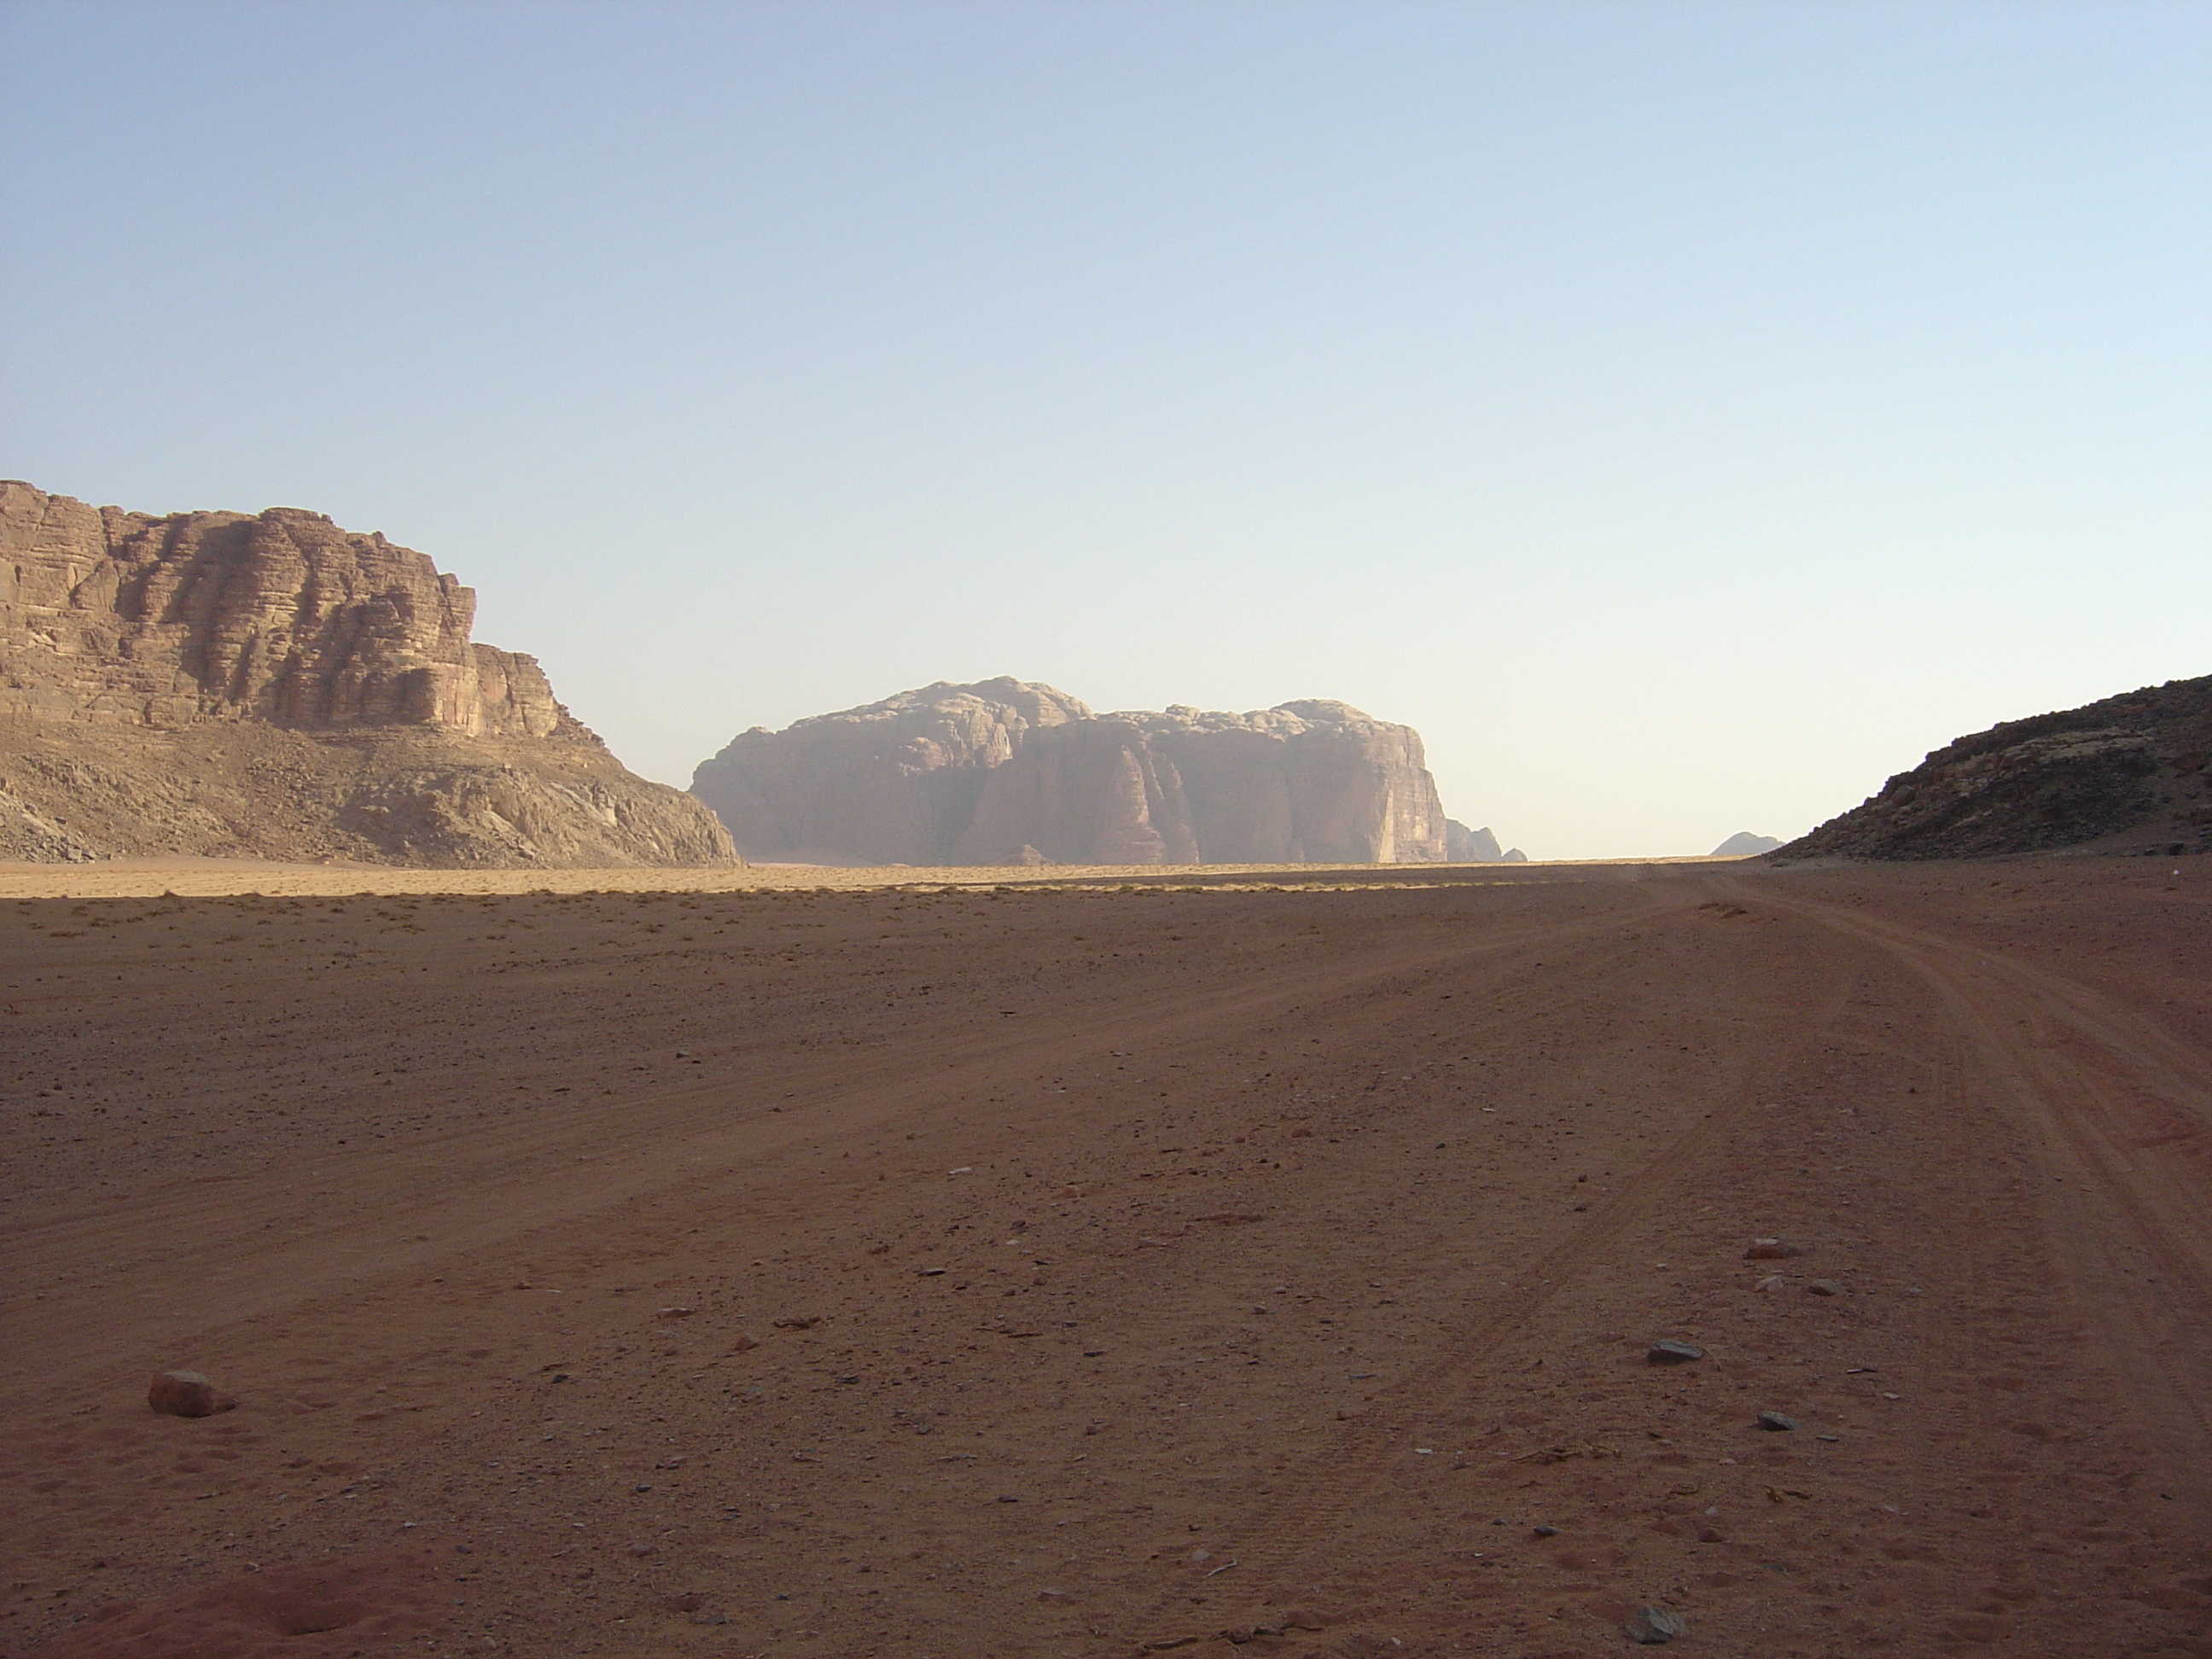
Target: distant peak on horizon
<point x="1745" y="844"/>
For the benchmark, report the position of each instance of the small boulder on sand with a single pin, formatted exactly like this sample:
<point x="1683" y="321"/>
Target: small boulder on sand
<point x="1654" y="1626"/>
<point x="186" y="1394"/>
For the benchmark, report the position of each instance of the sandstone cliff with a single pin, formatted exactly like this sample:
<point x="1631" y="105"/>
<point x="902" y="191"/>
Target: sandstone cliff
<point x="890" y="783"/>
<point x="272" y="686"/>
<point x="1004" y="772"/>
<point x="2128" y="774"/>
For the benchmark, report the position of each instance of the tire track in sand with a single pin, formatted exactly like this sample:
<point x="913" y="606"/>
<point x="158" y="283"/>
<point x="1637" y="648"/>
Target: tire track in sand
<point x="249" y="1244"/>
<point x="1280" y="1544"/>
<point x="2119" y="1113"/>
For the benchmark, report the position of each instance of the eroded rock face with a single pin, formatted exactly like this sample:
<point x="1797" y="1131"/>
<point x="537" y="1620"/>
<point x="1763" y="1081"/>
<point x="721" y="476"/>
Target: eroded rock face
<point x="2128" y="774"/>
<point x="281" y="617"/>
<point x="1003" y="771"/>
<point x="1466" y="845"/>
<point x="273" y="686"/>
<point x="889" y="783"/>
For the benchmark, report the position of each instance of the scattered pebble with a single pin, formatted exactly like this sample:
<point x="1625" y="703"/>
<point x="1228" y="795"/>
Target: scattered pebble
<point x="1667" y="1351"/>
<point x="1652" y="1625"/>
<point x="1545" y="1531"/>
<point x="1775" y="1420"/>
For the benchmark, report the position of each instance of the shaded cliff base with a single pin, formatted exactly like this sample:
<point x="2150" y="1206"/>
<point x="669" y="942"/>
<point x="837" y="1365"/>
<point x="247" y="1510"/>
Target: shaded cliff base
<point x="72" y="792"/>
<point x="2128" y="774"/>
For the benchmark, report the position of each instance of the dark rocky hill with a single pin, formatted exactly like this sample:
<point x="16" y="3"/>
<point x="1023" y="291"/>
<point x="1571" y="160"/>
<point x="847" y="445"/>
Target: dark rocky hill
<point x="2127" y="775"/>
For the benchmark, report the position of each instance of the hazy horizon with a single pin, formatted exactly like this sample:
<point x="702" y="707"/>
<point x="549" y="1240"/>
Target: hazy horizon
<point x="1685" y="416"/>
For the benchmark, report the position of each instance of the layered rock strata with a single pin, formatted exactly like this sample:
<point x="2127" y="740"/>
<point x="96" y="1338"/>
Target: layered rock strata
<point x="1007" y="772"/>
<point x="2126" y="774"/>
<point x="269" y="685"/>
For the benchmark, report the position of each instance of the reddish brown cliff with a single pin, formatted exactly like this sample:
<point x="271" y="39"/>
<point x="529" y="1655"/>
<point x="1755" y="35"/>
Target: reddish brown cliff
<point x="271" y="685"/>
<point x="281" y="617"/>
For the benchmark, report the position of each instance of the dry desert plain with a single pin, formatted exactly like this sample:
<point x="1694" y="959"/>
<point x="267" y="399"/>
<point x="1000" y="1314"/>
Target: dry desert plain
<point x="1092" y="1264"/>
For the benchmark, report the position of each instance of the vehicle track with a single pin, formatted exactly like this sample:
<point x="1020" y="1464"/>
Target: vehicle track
<point x="474" y="1189"/>
<point x="2120" y="1114"/>
<point x="1286" y="1543"/>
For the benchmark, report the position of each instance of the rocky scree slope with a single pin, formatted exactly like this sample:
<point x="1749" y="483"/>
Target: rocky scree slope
<point x="1003" y="771"/>
<point x="2127" y="775"/>
<point x="269" y="685"/>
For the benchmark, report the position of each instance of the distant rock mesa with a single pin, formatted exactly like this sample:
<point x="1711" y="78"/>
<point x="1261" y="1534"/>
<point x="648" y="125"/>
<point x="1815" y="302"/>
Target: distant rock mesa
<point x="1003" y="771"/>
<point x="2127" y="775"/>
<point x="269" y="685"/>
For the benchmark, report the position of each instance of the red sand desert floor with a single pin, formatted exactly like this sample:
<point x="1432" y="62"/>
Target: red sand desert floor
<point x="1068" y="1270"/>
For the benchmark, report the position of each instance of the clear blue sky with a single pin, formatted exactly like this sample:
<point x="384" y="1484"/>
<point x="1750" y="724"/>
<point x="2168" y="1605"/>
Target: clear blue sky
<point x="1685" y="414"/>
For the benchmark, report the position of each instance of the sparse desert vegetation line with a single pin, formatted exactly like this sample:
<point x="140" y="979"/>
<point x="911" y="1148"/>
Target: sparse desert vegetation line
<point x="914" y="1268"/>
